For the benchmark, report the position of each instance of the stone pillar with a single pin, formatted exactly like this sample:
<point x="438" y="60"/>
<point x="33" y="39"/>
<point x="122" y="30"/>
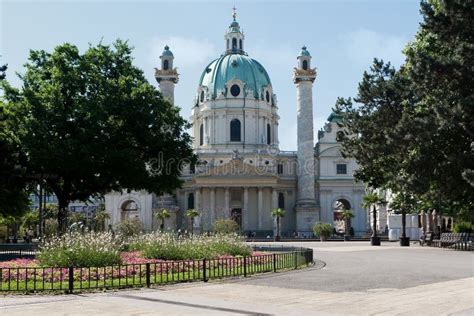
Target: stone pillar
<point x="212" y="206"/>
<point x="204" y="123"/>
<point x="245" y="213"/>
<point x="306" y="208"/>
<point x="260" y="208"/>
<point x="167" y="76"/>
<point x="226" y="202"/>
<point x="197" y="206"/>
<point x="275" y="205"/>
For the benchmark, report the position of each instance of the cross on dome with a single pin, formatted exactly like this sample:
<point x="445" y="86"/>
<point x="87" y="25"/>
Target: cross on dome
<point x="234" y="12"/>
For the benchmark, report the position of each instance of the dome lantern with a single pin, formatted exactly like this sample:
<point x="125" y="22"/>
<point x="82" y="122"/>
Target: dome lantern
<point x="234" y="37"/>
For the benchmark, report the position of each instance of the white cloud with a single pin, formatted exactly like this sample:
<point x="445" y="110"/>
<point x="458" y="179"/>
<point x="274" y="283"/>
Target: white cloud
<point x="191" y="52"/>
<point x="363" y="45"/>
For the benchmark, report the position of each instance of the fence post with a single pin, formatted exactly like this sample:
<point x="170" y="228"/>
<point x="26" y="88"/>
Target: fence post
<point x="71" y="279"/>
<point x="245" y="266"/>
<point x="274" y="263"/>
<point x="147" y="275"/>
<point x="204" y="270"/>
<point x="296" y="260"/>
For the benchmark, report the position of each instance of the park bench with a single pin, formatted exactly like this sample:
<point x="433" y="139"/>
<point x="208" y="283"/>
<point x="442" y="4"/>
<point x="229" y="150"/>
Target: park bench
<point x="426" y="239"/>
<point x="458" y="241"/>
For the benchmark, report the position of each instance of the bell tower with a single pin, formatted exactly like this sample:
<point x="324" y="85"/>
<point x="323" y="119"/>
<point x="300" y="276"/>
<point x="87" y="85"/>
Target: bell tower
<point x="234" y="37"/>
<point x="167" y="76"/>
<point x="307" y="212"/>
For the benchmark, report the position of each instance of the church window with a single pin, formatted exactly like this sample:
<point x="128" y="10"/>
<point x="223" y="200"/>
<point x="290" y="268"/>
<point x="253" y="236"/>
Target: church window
<point x="166" y="64"/>
<point x="267" y="96"/>
<point x="191" y="201"/>
<point x="341" y="169"/>
<point x="201" y="135"/>
<point x="269" y="134"/>
<point x="235" y="90"/>
<point x="202" y="96"/>
<point x="235" y="130"/>
<point x="305" y="64"/>
<point x="234" y="44"/>
<point x="280" y="168"/>
<point x="227" y="43"/>
<point x="240" y="44"/>
<point x="281" y="201"/>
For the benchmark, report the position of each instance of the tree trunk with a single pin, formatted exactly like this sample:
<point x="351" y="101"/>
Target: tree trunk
<point x="278" y="226"/>
<point x="62" y="215"/>
<point x="404" y="224"/>
<point x="192" y="225"/>
<point x="162" y="225"/>
<point x="374" y="227"/>
<point x="40" y="212"/>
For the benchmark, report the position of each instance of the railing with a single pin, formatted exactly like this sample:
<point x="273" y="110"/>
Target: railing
<point x="74" y="279"/>
<point x="13" y="251"/>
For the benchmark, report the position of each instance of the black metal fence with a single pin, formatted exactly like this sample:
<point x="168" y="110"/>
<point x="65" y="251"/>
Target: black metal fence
<point x="13" y="251"/>
<point x="74" y="279"/>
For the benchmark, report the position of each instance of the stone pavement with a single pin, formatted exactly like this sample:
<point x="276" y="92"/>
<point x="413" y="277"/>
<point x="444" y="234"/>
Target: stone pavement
<point x="356" y="280"/>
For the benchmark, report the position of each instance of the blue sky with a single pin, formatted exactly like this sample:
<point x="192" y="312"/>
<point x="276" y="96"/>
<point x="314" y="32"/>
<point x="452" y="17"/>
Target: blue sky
<point x="342" y="36"/>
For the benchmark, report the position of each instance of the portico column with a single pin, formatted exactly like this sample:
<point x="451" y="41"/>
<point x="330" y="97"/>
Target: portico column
<point x="260" y="208"/>
<point x="226" y="202"/>
<point x="274" y="205"/>
<point x="197" y="205"/>
<point x="246" y="208"/>
<point x="213" y="205"/>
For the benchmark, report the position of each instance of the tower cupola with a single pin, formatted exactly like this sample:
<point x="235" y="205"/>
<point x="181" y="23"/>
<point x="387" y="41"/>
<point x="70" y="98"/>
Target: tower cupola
<point x="234" y="37"/>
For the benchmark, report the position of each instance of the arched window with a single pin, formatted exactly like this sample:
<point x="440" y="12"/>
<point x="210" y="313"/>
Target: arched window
<point x="227" y="43"/>
<point x="234" y="44"/>
<point x="166" y="64"/>
<point x="202" y="96"/>
<point x="190" y="201"/>
<point x="281" y="201"/>
<point x="305" y="64"/>
<point x="240" y="44"/>
<point x="201" y="135"/>
<point x="235" y="130"/>
<point x="269" y="134"/>
<point x="267" y="96"/>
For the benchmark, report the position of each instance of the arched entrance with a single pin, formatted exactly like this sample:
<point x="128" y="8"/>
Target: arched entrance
<point x="339" y="206"/>
<point x="129" y="210"/>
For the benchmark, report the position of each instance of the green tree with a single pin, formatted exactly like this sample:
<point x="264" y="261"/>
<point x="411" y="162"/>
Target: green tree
<point x="371" y="199"/>
<point x="100" y="217"/>
<point x="91" y="123"/>
<point x="191" y="214"/>
<point x="411" y="129"/>
<point x="13" y="184"/>
<point x="346" y="216"/>
<point x="403" y="203"/>
<point x="161" y="216"/>
<point x="278" y="213"/>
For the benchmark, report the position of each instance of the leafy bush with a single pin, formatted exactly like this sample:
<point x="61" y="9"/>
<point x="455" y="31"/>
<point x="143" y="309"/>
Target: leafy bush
<point x="463" y="227"/>
<point x="225" y="226"/>
<point x="323" y="229"/>
<point x="130" y="228"/>
<point x="77" y="249"/>
<point x="169" y="246"/>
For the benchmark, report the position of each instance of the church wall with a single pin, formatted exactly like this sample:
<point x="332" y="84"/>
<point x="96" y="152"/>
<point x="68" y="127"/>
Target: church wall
<point x="221" y="212"/>
<point x="253" y="204"/>
<point x="267" y="222"/>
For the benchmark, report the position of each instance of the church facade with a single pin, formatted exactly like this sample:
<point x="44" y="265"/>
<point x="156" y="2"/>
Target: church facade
<point x="242" y="174"/>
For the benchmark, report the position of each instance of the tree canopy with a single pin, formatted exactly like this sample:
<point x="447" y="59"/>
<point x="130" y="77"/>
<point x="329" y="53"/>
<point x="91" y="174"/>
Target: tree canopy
<point x="411" y="130"/>
<point x="91" y="123"/>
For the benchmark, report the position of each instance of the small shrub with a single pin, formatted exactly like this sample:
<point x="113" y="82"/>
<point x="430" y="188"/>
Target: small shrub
<point x="169" y="246"/>
<point x="80" y="250"/>
<point x="323" y="230"/>
<point x="463" y="227"/>
<point x="225" y="226"/>
<point x="130" y="228"/>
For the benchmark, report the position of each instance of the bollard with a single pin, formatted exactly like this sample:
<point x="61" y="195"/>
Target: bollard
<point x="204" y="270"/>
<point x="274" y="263"/>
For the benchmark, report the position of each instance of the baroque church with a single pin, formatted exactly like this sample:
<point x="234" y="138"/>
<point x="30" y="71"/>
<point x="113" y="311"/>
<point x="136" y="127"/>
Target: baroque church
<point x="242" y="174"/>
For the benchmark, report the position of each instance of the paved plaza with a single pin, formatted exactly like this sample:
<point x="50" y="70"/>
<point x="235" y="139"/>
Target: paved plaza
<point x="348" y="278"/>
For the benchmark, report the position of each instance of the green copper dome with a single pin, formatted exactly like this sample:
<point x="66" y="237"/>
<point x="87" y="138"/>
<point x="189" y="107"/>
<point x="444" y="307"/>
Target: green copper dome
<point x="304" y="52"/>
<point x="167" y="51"/>
<point x="235" y="66"/>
